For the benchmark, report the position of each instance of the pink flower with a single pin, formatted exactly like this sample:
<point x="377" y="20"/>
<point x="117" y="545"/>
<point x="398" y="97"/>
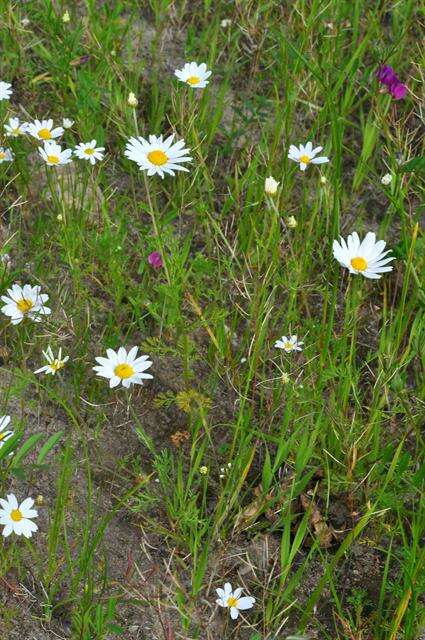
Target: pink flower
<point x="397" y="90"/>
<point x="155" y="260"/>
<point x="387" y="76"/>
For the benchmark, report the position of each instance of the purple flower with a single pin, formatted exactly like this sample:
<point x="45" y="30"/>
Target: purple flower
<point x="397" y="90"/>
<point x="155" y="260"/>
<point x="387" y="76"/>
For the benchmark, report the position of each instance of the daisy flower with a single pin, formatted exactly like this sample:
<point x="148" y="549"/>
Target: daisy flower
<point x="157" y="155"/>
<point x="4" y="433"/>
<point x="5" y="90"/>
<point x="53" y="155"/>
<point x="233" y="600"/>
<point x="289" y="344"/>
<point x="43" y="130"/>
<point x="25" y="302"/>
<point x="124" y="367"/>
<point x="193" y="74"/>
<point x="366" y="257"/>
<point x="67" y="123"/>
<point x="17" y="518"/>
<point x="6" y="155"/>
<point x="14" y="128"/>
<point x="89" y="151"/>
<point x="270" y="186"/>
<point x="54" y="364"/>
<point x="306" y="155"/>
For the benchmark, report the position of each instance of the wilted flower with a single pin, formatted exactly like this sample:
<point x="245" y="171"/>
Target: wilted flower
<point x="366" y="257"/>
<point x="17" y="518"/>
<point x="270" y="186"/>
<point x="132" y="100"/>
<point x="67" y="123"/>
<point x="5" y="90"/>
<point x="226" y="22"/>
<point x="54" y="364"/>
<point x="25" y="302"/>
<point x="123" y="367"/>
<point x="66" y="17"/>
<point x="233" y="601"/>
<point x="306" y="155"/>
<point x="89" y="151"/>
<point x="194" y="74"/>
<point x="386" y="179"/>
<point x="155" y="260"/>
<point x="203" y="470"/>
<point x="291" y="222"/>
<point x="157" y="155"/>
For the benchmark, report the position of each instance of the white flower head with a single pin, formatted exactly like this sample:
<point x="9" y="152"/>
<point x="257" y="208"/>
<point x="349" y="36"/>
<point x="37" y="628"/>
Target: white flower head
<point x="25" y="302"/>
<point x="17" y="518"/>
<point x="232" y="600"/>
<point x="66" y="17"/>
<point x="289" y="343"/>
<point x="306" y="155"/>
<point x="6" y="155"/>
<point x="270" y="186"/>
<point x="386" y="179"/>
<point x="5" y="90"/>
<point x="292" y="222"/>
<point x="132" y="100"/>
<point x="194" y="74"/>
<point x="226" y="22"/>
<point x="14" y="128"/>
<point x="4" y="433"/>
<point x="54" y="364"/>
<point x="44" y="130"/>
<point x="89" y="151"/>
<point x="53" y="155"/>
<point x="366" y="257"/>
<point x="67" y="123"/>
<point x="158" y="155"/>
<point x="123" y="367"/>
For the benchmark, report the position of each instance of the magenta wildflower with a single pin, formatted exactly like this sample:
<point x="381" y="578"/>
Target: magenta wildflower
<point x="155" y="260"/>
<point x="387" y="76"/>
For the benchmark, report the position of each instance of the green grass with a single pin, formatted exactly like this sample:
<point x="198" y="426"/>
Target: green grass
<point x="131" y="532"/>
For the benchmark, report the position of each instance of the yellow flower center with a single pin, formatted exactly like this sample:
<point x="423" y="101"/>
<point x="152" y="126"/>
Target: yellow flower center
<point x="16" y="131"/>
<point x="16" y="515"/>
<point x="89" y="151"/>
<point x="193" y="80"/>
<point x="56" y="365"/>
<point x="305" y="159"/>
<point x="2" y="155"/>
<point x="289" y="345"/>
<point x="232" y="602"/>
<point x="359" y="264"/>
<point x="44" y="134"/>
<point x="2" y="435"/>
<point x="124" y="370"/>
<point x="24" y="305"/>
<point x="157" y="157"/>
<point x="53" y="159"/>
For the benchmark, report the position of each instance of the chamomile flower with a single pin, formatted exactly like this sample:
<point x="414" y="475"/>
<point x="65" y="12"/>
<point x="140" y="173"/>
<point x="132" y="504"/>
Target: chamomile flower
<point x="54" y="364"/>
<point x="4" y="433"/>
<point x="17" y="518"/>
<point x="14" y="128"/>
<point x="289" y="344"/>
<point x="5" y="90"/>
<point x="25" y="302"/>
<point x="6" y="155"/>
<point x="306" y="155"/>
<point x="89" y="151"/>
<point x="123" y="367"/>
<point x="44" y="130"/>
<point x="53" y="155"/>
<point x="158" y="155"/>
<point x="366" y="257"/>
<point x="232" y="600"/>
<point x="193" y="74"/>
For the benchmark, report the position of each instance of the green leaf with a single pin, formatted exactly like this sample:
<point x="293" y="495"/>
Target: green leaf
<point x="416" y="164"/>
<point x="26" y="447"/>
<point x="48" y="446"/>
